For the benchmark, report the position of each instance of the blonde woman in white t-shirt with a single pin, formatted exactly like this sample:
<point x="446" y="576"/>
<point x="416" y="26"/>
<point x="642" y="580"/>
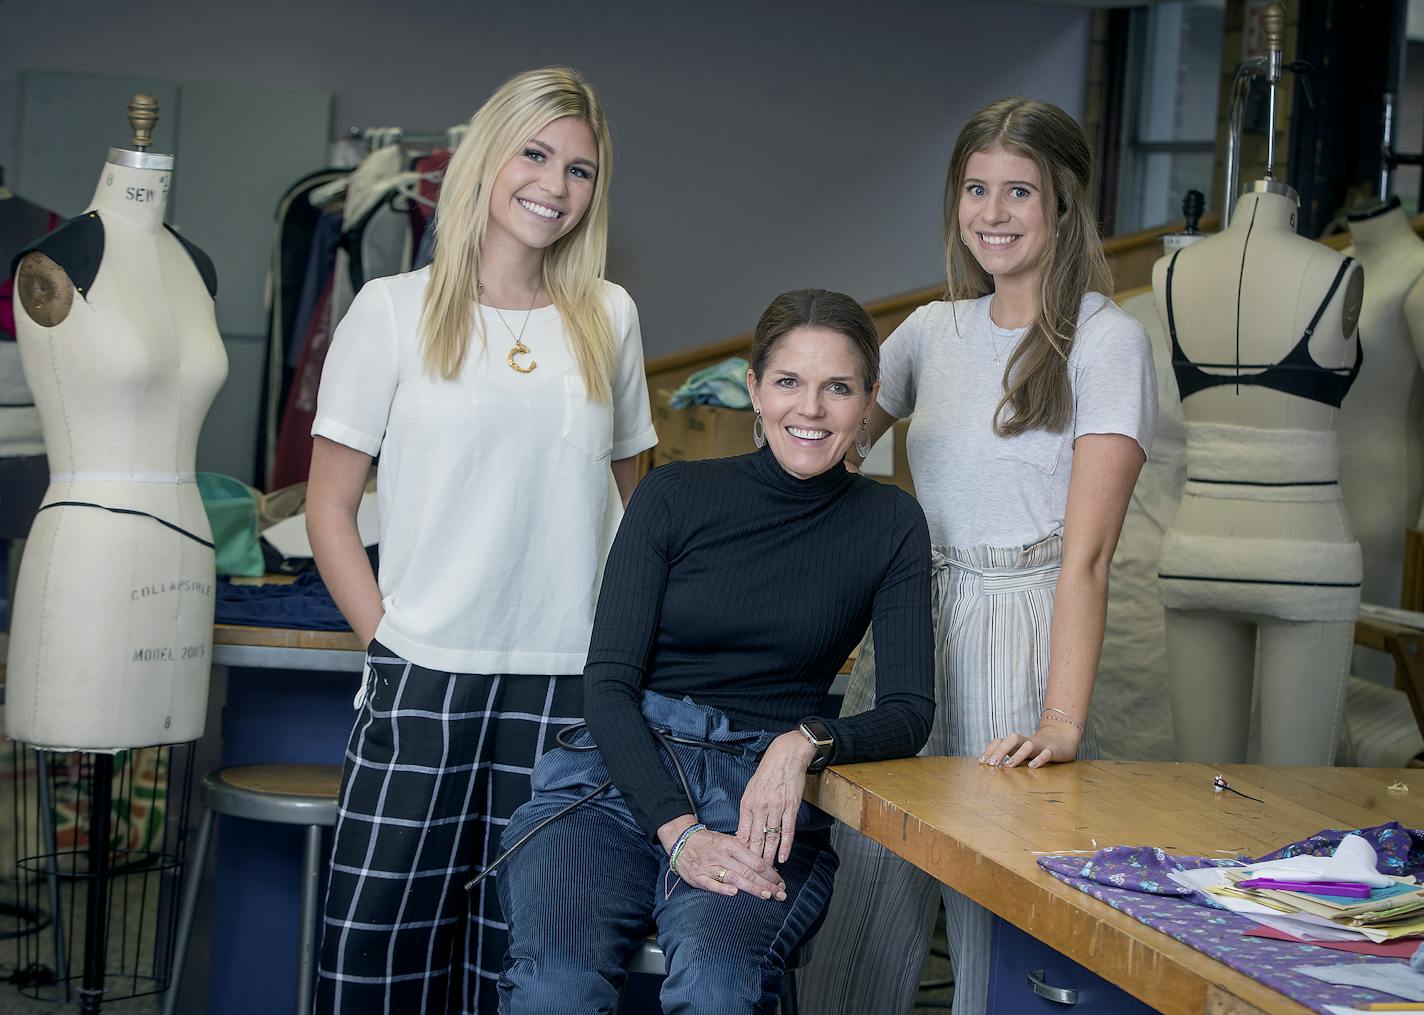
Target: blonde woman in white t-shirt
<point x="1032" y="400"/>
<point x="503" y="390"/>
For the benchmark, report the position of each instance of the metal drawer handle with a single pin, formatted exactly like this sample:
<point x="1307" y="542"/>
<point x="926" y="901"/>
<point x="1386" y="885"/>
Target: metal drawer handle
<point x="1059" y="995"/>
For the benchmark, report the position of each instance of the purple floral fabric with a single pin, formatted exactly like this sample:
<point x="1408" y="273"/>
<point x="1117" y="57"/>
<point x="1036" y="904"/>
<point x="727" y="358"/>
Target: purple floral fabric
<point x="1133" y="880"/>
<point x="1138" y="868"/>
<point x="1400" y="849"/>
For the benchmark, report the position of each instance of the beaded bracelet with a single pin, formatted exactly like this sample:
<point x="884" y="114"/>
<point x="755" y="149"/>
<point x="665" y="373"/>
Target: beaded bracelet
<point x="682" y="841"/>
<point x="1061" y="716"/>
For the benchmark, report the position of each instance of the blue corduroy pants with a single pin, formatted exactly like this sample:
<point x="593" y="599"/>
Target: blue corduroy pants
<point x="583" y="892"/>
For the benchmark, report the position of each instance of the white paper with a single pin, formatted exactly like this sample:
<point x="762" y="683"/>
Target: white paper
<point x="1354" y="860"/>
<point x="289" y="536"/>
<point x="881" y="460"/>
<point x="1387" y="977"/>
<point x="1303" y="925"/>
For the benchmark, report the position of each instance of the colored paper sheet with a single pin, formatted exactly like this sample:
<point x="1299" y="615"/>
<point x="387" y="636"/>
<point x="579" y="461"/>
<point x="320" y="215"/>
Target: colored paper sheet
<point x="1389" y="949"/>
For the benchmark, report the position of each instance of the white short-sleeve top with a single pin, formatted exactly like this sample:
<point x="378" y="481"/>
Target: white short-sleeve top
<point x="497" y="504"/>
<point x="945" y="368"/>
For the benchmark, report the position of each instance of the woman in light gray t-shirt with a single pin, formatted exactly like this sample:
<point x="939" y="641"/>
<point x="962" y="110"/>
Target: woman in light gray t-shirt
<point x="1032" y="400"/>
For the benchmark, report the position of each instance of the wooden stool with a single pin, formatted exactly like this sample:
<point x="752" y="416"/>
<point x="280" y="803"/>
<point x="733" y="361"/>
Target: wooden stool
<point x="649" y="958"/>
<point x="289" y="795"/>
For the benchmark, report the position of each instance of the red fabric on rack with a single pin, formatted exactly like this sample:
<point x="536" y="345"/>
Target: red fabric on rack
<point x="294" y="442"/>
<point x="7" y="292"/>
<point x="422" y="214"/>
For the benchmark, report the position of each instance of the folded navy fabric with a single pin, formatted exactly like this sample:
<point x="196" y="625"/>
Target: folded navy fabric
<point x="305" y="604"/>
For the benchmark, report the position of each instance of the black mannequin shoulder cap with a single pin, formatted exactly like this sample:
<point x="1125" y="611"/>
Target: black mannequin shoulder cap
<point x="77" y="246"/>
<point x="201" y="261"/>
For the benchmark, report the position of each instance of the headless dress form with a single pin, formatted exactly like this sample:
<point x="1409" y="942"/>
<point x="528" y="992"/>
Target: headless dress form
<point x="1262" y="328"/>
<point x="1382" y="423"/>
<point x="111" y="637"/>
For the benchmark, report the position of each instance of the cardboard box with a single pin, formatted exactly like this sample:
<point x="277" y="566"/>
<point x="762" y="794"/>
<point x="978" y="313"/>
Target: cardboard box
<point x="708" y="431"/>
<point x="699" y="431"/>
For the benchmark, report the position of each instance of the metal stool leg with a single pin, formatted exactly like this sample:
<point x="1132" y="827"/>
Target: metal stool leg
<point x="61" y="958"/>
<point x="310" y="913"/>
<point x="187" y="910"/>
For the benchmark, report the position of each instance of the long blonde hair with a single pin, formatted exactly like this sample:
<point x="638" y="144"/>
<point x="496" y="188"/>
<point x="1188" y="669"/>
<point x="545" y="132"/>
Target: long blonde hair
<point x="1037" y="389"/>
<point x="573" y="264"/>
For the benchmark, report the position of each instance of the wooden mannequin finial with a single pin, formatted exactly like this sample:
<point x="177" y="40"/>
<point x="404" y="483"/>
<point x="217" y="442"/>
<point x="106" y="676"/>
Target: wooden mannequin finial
<point x="143" y="116"/>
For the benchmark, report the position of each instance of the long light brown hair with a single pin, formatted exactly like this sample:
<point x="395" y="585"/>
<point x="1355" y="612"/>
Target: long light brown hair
<point x="573" y="264"/>
<point x="1037" y="391"/>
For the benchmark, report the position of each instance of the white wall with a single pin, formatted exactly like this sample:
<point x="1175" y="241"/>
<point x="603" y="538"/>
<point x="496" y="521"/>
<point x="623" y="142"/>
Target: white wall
<point x="760" y="146"/>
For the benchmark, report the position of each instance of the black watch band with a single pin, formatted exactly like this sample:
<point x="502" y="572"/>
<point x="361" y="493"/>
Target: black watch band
<point x="821" y="738"/>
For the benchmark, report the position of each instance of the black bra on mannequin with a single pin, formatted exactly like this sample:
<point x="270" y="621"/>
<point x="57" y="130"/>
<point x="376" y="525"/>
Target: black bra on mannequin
<point x="1296" y="373"/>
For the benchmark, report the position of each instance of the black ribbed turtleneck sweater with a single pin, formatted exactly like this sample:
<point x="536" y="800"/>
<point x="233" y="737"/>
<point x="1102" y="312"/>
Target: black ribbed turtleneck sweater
<point x="738" y="585"/>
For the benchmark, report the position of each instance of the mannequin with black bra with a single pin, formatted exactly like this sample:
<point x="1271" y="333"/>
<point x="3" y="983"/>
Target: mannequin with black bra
<point x="1262" y="328"/>
<point x="111" y="638"/>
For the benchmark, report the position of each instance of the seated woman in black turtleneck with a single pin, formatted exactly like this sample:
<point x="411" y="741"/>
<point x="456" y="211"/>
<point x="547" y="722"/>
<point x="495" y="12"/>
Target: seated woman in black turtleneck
<point x="734" y="591"/>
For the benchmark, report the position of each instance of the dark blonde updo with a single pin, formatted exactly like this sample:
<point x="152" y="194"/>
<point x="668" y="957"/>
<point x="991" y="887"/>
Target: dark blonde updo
<point x="817" y="308"/>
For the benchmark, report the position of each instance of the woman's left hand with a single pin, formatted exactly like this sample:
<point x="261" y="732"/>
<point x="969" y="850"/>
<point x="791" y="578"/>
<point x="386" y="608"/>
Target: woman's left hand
<point x="773" y="796"/>
<point x="1054" y="742"/>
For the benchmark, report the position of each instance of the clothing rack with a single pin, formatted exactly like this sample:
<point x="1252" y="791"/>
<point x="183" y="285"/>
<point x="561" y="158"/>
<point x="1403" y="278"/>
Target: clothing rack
<point x="377" y="137"/>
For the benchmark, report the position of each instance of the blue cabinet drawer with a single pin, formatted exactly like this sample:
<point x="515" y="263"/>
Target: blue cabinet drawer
<point x="1019" y="960"/>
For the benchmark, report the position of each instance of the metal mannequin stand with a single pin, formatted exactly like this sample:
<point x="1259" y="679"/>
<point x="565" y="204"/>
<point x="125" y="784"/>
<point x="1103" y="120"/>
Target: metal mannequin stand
<point x="100" y="842"/>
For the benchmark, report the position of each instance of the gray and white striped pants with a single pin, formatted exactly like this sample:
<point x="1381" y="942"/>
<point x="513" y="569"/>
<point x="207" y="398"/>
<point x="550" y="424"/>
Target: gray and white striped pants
<point x="993" y="614"/>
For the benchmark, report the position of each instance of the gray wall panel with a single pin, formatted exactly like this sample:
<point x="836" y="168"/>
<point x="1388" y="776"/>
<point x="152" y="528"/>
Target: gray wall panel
<point x="242" y="146"/>
<point x="66" y="125"/>
<point x="760" y="146"/>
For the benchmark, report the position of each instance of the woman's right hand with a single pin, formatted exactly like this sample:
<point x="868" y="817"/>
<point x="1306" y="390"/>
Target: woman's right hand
<point x="708" y="854"/>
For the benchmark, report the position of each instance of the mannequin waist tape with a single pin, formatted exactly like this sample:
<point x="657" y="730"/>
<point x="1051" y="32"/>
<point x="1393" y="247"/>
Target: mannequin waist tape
<point x="1224" y="453"/>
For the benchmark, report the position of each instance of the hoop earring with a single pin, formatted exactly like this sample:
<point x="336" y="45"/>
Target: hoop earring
<point x="758" y="431"/>
<point x="862" y="438"/>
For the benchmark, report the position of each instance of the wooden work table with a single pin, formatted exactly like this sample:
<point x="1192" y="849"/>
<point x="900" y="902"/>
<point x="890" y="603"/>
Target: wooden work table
<point x="978" y="829"/>
<point x="287" y="648"/>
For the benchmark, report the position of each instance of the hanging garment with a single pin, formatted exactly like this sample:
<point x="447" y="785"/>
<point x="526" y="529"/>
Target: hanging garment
<point x="422" y="213"/>
<point x="321" y="262"/>
<point x="292" y="459"/>
<point x="297" y="221"/>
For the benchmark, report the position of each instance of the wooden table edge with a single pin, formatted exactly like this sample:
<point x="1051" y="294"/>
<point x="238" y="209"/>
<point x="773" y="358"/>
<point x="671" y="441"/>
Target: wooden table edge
<point x="1195" y="982"/>
<point x="286" y="637"/>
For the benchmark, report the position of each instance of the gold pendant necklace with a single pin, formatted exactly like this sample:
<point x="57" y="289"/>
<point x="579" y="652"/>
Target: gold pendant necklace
<point x="520" y="349"/>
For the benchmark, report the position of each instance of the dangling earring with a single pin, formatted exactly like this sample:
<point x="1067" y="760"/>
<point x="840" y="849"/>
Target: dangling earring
<point x="862" y="438"/>
<point x="758" y="432"/>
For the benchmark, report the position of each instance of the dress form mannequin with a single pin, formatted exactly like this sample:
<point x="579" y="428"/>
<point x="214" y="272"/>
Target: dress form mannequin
<point x="112" y="631"/>
<point x="1382" y="423"/>
<point x="1261" y="543"/>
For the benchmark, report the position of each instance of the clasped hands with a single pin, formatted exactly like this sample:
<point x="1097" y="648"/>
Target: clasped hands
<point x="766" y="828"/>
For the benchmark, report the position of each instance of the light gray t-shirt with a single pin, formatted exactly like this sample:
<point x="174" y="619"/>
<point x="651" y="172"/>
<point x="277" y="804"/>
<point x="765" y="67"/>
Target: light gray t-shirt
<point x="945" y="368"/>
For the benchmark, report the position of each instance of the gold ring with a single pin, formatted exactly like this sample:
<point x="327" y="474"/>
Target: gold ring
<point x="768" y="830"/>
<point x="721" y="875"/>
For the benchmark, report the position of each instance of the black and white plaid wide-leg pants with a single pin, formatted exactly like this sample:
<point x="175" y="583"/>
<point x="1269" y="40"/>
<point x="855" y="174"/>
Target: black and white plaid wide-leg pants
<point x="436" y="764"/>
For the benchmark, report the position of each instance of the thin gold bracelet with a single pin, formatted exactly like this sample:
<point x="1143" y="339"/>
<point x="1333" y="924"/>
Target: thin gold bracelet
<point x="1062" y="716"/>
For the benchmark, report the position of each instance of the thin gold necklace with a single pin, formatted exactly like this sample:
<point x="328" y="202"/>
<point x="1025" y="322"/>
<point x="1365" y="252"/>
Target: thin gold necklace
<point x="520" y="349"/>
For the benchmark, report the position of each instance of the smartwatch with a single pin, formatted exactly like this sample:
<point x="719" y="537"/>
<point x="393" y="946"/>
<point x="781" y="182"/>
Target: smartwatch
<point x="821" y="739"/>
